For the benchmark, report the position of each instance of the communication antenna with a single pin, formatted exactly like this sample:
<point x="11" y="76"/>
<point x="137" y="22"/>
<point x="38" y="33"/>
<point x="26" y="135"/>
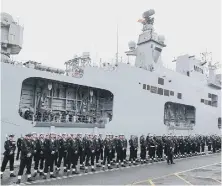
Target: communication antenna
<point x="117" y="47"/>
<point x="206" y="57"/>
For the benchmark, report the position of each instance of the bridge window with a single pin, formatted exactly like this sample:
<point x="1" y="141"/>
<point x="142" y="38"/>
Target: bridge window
<point x="166" y="92"/>
<point x="172" y="93"/>
<point x="147" y="87"/>
<point x="160" y="91"/>
<point x="219" y="122"/>
<point x="153" y="89"/>
<point x="209" y="95"/>
<point x="161" y="81"/>
<point x="202" y="100"/>
<point x="144" y="86"/>
<point x="179" y="96"/>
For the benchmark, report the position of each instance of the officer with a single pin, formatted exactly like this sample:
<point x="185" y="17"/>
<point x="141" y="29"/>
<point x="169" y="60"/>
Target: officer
<point x="27" y="149"/>
<point x="143" y="149"/>
<point x="170" y="150"/>
<point x="107" y="152"/>
<point x="9" y="155"/>
<point x="51" y="147"/>
<point x="19" y="142"/>
<point x="62" y="142"/>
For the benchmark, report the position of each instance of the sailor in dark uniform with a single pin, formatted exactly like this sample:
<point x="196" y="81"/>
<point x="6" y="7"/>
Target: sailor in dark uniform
<point x="81" y="150"/>
<point x="107" y="152"/>
<point x="62" y="142"/>
<point x="51" y="148"/>
<point x="124" y="148"/>
<point x="97" y="149"/>
<point x="19" y="143"/>
<point x="92" y="151"/>
<point x="72" y="156"/>
<point x="40" y="155"/>
<point x="26" y="158"/>
<point x="9" y="155"/>
<point x="143" y="149"/>
<point x="120" y="151"/>
<point x="35" y="153"/>
<point x="101" y="147"/>
<point x="113" y="142"/>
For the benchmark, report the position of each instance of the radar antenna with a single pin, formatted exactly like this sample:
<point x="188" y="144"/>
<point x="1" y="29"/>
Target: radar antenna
<point x="206" y="57"/>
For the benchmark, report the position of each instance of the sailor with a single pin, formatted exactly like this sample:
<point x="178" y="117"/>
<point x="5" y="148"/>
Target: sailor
<point x="132" y="150"/>
<point x="19" y="142"/>
<point x="81" y="150"/>
<point x="87" y="151"/>
<point x="35" y="154"/>
<point x="101" y="147"/>
<point x="152" y="148"/>
<point x="9" y="155"/>
<point x="97" y="149"/>
<point x="51" y="147"/>
<point x="143" y="149"/>
<point x="62" y="142"/>
<point x="170" y="150"/>
<point x="26" y="158"/>
<point x="72" y="156"/>
<point x="40" y="155"/>
<point x="92" y="151"/>
<point x="124" y="148"/>
<point x="135" y="141"/>
<point x="107" y="152"/>
<point x="113" y="152"/>
<point x="120" y="151"/>
<point x="202" y="143"/>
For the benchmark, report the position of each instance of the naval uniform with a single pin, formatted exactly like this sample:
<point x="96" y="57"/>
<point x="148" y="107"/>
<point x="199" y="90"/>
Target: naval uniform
<point x="26" y="158"/>
<point x="19" y="143"/>
<point x="142" y="148"/>
<point x="9" y="156"/>
<point x="63" y="145"/>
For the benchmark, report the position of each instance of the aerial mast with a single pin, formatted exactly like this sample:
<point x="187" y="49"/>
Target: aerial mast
<point x="117" y="47"/>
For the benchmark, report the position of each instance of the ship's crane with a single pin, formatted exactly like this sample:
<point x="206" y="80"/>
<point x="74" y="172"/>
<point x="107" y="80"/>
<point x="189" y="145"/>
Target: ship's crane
<point x="11" y="37"/>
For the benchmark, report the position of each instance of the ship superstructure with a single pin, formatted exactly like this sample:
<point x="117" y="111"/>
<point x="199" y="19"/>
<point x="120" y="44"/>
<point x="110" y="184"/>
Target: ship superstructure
<point x="120" y="98"/>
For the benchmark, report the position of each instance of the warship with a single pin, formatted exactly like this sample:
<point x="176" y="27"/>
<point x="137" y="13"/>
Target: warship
<point x="144" y="97"/>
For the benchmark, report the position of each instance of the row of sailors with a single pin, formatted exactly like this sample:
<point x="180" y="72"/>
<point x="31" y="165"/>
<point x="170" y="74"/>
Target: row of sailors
<point x="58" y="117"/>
<point x="50" y="150"/>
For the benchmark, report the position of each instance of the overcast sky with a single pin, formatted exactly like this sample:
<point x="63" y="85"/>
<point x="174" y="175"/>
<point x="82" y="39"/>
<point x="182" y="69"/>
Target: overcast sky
<point x="55" y="30"/>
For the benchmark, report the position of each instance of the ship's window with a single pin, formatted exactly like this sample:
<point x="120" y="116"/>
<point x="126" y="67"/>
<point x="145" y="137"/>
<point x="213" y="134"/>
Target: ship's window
<point x="172" y="93"/>
<point x="202" y="100"/>
<point x="153" y="89"/>
<point x="206" y="102"/>
<point x="147" y="87"/>
<point x="160" y="91"/>
<point x="144" y="86"/>
<point x="219" y="123"/>
<point x="209" y="102"/>
<point x="209" y="95"/>
<point x="161" y="81"/>
<point x="188" y="73"/>
<point x="179" y="95"/>
<point x="166" y="92"/>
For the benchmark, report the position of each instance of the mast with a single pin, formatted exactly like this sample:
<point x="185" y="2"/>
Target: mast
<point x="117" y="47"/>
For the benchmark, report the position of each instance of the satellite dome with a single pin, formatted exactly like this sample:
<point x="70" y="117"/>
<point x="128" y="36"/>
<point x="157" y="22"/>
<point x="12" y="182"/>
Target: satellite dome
<point x="148" y="13"/>
<point x="132" y="45"/>
<point x="161" y="38"/>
